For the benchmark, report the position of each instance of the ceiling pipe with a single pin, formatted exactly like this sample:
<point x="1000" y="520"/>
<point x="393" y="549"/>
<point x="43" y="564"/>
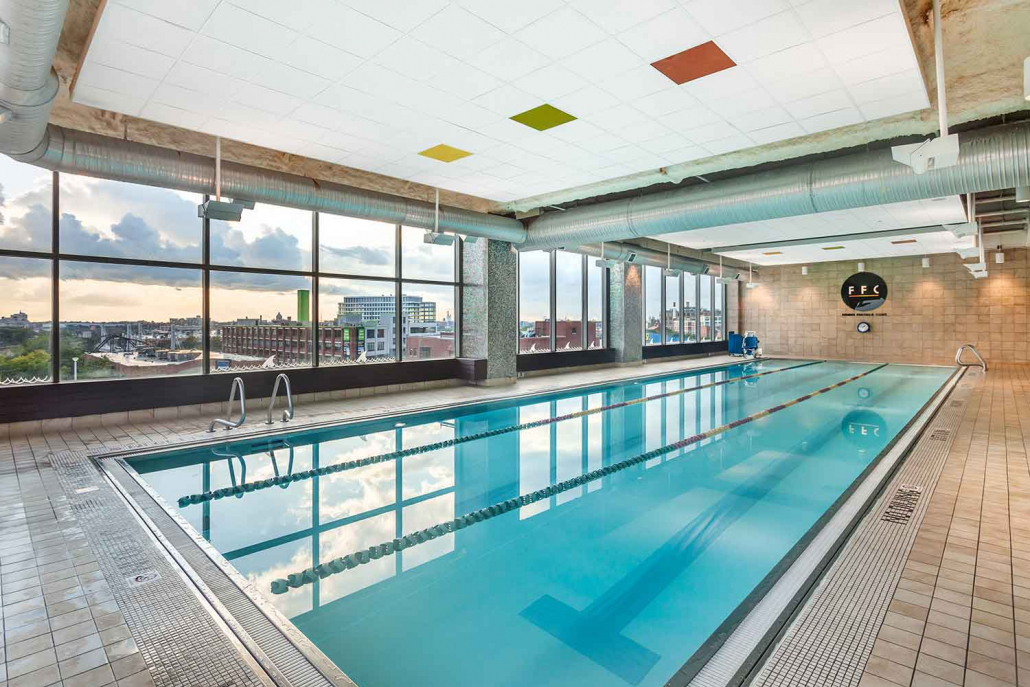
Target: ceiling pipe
<point x="79" y="152"/>
<point x="638" y="255"/>
<point x="29" y="31"/>
<point x="989" y="159"/>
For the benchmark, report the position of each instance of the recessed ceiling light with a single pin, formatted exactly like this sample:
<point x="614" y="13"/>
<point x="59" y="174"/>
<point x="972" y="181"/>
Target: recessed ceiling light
<point x="833" y="247"/>
<point x="774" y="252"/>
<point x="693" y="63"/>
<point x="543" y="117"/>
<point x="900" y="242"/>
<point x="445" y="153"/>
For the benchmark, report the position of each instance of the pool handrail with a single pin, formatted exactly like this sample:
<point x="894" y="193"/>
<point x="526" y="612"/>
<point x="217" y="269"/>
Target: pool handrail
<point x="958" y="357"/>
<point x="228" y="423"/>
<point x="288" y="410"/>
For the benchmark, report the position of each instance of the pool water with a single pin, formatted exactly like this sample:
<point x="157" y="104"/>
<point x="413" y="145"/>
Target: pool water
<point x="615" y="581"/>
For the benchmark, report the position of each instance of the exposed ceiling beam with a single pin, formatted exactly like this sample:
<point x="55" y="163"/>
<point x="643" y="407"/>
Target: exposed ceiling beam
<point x="888" y="233"/>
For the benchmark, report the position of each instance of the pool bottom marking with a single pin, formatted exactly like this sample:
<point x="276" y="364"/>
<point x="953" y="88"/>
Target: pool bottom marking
<point x="375" y="552"/>
<point x="286" y="480"/>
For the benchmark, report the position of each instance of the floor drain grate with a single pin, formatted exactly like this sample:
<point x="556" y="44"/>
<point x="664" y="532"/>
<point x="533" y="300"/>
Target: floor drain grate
<point x="957" y="404"/>
<point x="902" y="504"/>
<point x="940" y="435"/>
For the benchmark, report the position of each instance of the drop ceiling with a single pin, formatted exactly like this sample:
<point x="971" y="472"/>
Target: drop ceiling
<point x="372" y="84"/>
<point x="829" y="225"/>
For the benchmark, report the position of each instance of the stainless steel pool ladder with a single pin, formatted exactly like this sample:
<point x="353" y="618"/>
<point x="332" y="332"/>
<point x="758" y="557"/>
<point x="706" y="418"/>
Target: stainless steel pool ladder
<point x="229" y="424"/>
<point x="958" y="357"/>
<point x="288" y="410"/>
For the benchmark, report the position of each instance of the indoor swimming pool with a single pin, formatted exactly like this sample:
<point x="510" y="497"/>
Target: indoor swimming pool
<point x="594" y="536"/>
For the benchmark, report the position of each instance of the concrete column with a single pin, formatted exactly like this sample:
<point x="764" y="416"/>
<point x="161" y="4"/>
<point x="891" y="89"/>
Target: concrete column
<point x="626" y="334"/>
<point x="489" y="309"/>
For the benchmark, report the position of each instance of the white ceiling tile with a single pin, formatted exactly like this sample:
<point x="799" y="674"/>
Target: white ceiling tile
<point x="352" y="31"/>
<point x="615" y="118"/>
<point x="664" y="102"/>
<point x="551" y="82"/>
<point x="813" y="83"/>
<point x="744" y="102"/>
<point x="761" y="119"/>
<point x="245" y="115"/>
<point x="185" y="99"/>
<point x="686" y="154"/>
<point x="299" y="130"/>
<point x="617" y="15"/>
<point x="603" y="60"/>
<point x="691" y="118"/>
<point x="507" y="101"/>
<point x="130" y="58"/>
<point x="585" y="101"/>
<point x="602" y="143"/>
<point x="342" y="141"/>
<point x="711" y="132"/>
<point x="221" y="57"/>
<point x="667" y="34"/>
<point x="471" y="116"/>
<point x="895" y="59"/>
<point x="323" y="60"/>
<point x="287" y="79"/>
<point x="464" y="81"/>
<point x="710" y="88"/>
<point x="267" y="100"/>
<point x="403" y="16"/>
<point x="722" y="16"/>
<point x="908" y="102"/>
<point x="457" y="32"/>
<point x="414" y="59"/>
<point x="666" y="144"/>
<point x="831" y="120"/>
<point x="764" y="37"/>
<point x="864" y="39"/>
<point x="776" y="132"/>
<point x="142" y="30"/>
<point x="108" y="100"/>
<point x="371" y="80"/>
<point x="172" y="115"/>
<point x="117" y="80"/>
<point x="819" y="104"/>
<point x="195" y="78"/>
<point x="895" y="85"/>
<point x="509" y="59"/>
<point x="729" y="144"/>
<point x="561" y="33"/>
<point x="296" y="14"/>
<point x="629" y="154"/>
<point x="800" y="59"/>
<point x="190" y="15"/>
<point x="237" y="26"/>
<point x="636" y="83"/>
<point x="508" y="131"/>
<point x="507" y="16"/>
<point x="823" y="17"/>
<point x="644" y="131"/>
<point x="504" y="171"/>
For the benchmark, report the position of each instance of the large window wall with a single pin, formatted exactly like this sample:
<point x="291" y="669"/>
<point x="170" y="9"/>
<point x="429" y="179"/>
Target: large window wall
<point x="102" y="279"/>
<point x="562" y="302"/>
<point x="684" y="308"/>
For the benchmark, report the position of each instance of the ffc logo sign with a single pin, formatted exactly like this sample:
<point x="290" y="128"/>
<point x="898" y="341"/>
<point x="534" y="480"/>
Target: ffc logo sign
<point x="864" y="291"/>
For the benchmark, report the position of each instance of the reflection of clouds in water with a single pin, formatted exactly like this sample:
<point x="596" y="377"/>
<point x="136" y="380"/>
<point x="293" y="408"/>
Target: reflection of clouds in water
<point x="427" y="472"/>
<point x="348" y="539"/>
<point x="421" y="516"/>
<point x="289" y="559"/>
<point x="356" y="491"/>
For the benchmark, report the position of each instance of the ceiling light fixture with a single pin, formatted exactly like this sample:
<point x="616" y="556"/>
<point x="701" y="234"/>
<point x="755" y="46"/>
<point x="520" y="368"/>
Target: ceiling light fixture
<point x="926" y="263"/>
<point x="1023" y="194"/>
<point x="804" y="271"/>
<point x="999" y="257"/>
<point x="1026" y="78"/>
<point x="903" y="241"/>
<point x="751" y="283"/>
<point x="861" y="267"/>
<point x="436" y="237"/>
<point x="940" y="152"/>
<point x="603" y="262"/>
<point x="217" y="209"/>
<point x="833" y="247"/>
<point x="669" y="272"/>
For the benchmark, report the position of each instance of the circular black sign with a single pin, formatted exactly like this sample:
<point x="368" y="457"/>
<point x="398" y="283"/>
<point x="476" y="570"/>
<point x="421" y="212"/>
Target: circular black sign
<point x="864" y="291"/>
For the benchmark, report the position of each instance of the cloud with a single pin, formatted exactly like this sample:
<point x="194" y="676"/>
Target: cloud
<point x="361" y="255"/>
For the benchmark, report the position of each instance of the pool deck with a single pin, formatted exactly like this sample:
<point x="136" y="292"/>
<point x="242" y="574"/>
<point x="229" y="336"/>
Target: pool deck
<point x="72" y="615"/>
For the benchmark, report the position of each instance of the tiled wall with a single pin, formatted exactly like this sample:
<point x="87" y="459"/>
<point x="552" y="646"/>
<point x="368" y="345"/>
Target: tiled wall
<point x="929" y="312"/>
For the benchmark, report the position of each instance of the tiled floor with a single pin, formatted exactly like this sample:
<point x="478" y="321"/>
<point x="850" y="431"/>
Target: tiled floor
<point x="961" y="613"/>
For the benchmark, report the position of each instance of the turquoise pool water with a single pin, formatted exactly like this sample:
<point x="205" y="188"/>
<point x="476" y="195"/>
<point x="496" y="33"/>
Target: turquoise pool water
<point x="615" y="581"/>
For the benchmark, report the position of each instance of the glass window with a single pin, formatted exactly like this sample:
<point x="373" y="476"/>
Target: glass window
<point x="595" y="304"/>
<point x="356" y="321"/>
<point x="672" y="309"/>
<point x="690" y="307"/>
<point x="718" y="312"/>
<point x="26" y="195"/>
<point x="267" y="236"/>
<point x="259" y="321"/>
<point x="568" y="320"/>
<point x="24" y="320"/>
<point x="421" y="260"/>
<point x="652" y="305"/>
<point x="706" y="308"/>
<point x="129" y="321"/>
<point x="428" y="312"/>
<point x="120" y="220"/>
<point x="356" y="246"/>
<point x="534" y="301"/>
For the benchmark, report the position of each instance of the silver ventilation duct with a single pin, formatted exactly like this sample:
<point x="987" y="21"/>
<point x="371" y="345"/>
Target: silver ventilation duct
<point x="989" y="159"/>
<point x="625" y="252"/>
<point x="78" y="152"/>
<point x="29" y="31"/>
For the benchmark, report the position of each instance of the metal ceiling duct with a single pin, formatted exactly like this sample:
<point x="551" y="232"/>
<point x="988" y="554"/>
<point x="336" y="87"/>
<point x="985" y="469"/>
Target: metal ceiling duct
<point x="29" y="31"/>
<point x="78" y="152"/>
<point x="989" y="159"/>
<point x="625" y="252"/>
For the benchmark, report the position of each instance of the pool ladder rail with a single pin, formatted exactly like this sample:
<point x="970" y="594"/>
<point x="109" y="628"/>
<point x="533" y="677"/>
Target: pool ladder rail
<point x="288" y="410"/>
<point x="228" y="423"/>
<point x="958" y="357"/>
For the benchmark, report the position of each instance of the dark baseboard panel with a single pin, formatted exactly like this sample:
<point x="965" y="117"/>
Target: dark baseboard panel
<point x="674" y="350"/>
<point x="46" y="401"/>
<point x="534" y="362"/>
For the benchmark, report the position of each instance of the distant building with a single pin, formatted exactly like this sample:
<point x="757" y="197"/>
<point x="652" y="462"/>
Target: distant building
<point x="372" y="308"/>
<point x="18" y="319"/>
<point x="567" y="334"/>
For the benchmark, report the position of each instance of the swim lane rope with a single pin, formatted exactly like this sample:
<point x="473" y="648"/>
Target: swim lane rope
<point x="394" y="455"/>
<point x="353" y="560"/>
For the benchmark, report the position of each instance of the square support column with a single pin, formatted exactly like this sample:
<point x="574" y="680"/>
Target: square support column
<point x="625" y="325"/>
<point x="489" y="308"/>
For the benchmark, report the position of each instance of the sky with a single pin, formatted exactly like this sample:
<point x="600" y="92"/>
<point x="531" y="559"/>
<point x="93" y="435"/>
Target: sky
<point x="112" y="219"/>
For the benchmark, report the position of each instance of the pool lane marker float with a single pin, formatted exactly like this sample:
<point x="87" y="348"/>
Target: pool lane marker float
<point x="388" y="548"/>
<point x="286" y="480"/>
